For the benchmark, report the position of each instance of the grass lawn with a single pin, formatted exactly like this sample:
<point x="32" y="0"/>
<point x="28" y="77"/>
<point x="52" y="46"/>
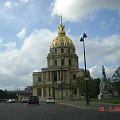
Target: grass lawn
<point x="115" y="101"/>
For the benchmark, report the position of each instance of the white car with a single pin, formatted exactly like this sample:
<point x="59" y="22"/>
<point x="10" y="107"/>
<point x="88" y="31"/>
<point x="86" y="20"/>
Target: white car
<point x="50" y="100"/>
<point x="25" y="100"/>
<point x="11" y="100"/>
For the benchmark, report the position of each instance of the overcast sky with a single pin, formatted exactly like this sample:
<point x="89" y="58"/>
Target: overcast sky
<point x="28" y="27"/>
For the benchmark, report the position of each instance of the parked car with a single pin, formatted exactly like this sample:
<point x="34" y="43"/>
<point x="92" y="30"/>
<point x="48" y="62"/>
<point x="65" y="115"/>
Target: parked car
<point x="33" y="100"/>
<point x="25" y="100"/>
<point x="11" y="100"/>
<point x="50" y="100"/>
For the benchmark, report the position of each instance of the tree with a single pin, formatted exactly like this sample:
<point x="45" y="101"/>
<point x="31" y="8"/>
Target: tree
<point x="93" y="86"/>
<point x="7" y="95"/>
<point x="2" y="94"/>
<point x="116" y="81"/>
<point x="116" y="75"/>
<point x="80" y="85"/>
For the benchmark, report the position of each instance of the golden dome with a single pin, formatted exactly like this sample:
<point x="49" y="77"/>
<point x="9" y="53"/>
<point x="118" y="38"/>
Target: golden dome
<point x="61" y="39"/>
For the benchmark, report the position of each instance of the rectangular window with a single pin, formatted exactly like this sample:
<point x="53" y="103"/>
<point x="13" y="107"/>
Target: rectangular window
<point x="59" y="75"/>
<point x="39" y="91"/>
<point x="69" y="62"/>
<point x="55" y="62"/>
<point x="75" y="91"/>
<point x="49" y="75"/>
<point x="62" y="62"/>
<point x="68" y="50"/>
<point x="49" y="91"/>
<point x="55" y="76"/>
<point x="62" y="50"/>
<point x="44" y="92"/>
<point x="39" y="79"/>
<point x="55" y="51"/>
<point x="74" y="76"/>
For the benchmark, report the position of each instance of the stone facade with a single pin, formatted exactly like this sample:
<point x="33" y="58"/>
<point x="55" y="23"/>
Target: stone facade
<point x="59" y="78"/>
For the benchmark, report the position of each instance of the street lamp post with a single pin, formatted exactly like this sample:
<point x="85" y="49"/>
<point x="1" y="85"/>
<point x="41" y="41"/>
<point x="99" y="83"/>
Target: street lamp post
<point x="85" y="75"/>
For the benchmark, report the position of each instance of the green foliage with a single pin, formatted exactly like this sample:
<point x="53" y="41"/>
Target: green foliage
<point x="80" y="85"/>
<point x="6" y="95"/>
<point x="114" y="101"/>
<point x="2" y="94"/>
<point x="116" y="75"/>
<point x="116" y="81"/>
<point x="93" y="86"/>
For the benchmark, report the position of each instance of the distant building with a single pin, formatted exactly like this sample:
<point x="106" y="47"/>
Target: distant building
<point x="28" y="88"/>
<point x="59" y="78"/>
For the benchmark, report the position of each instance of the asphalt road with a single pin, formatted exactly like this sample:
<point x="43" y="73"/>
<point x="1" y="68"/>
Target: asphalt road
<point x="21" y="111"/>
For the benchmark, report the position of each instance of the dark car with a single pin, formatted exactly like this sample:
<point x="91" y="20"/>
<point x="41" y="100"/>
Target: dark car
<point x="33" y="100"/>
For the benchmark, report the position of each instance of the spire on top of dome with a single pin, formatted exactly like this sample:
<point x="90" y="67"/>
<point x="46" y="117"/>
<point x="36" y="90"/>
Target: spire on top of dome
<point x="61" y="39"/>
<point x="61" y="28"/>
<point x="60" y="20"/>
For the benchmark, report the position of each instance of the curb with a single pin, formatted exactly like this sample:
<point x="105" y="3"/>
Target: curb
<point x="78" y="106"/>
<point x="90" y="108"/>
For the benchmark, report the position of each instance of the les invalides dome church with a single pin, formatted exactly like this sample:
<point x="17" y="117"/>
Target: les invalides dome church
<point x="59" y="78"/>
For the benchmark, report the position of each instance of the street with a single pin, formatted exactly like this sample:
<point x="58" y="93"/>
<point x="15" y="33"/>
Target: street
<point x="21" y="111"/>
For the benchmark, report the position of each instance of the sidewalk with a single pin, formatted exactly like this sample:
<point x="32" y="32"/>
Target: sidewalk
<point x="92" y="105"/>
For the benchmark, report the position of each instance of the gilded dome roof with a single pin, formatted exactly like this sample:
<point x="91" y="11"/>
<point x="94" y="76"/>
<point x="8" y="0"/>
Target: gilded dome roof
<point x="61" y="39"/>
